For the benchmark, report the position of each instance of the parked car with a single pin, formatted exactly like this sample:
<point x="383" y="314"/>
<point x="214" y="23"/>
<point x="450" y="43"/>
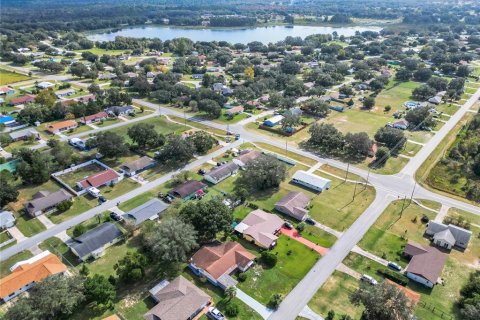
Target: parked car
<point x="115" y="216"/>
<point x="102" y="199"/>
<point x="288" y="225"/>
<point x="202" y="171"/>
<point x="94" y="192"/>
<point x="369" y="279"/>
<point x="237" y="136"/>
<point x="394" y="266"/>
<point x="215" y="314"/>
<point x="310" y="221"/>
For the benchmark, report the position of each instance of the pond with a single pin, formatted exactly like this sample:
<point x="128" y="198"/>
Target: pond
<point x="232" y="35"/>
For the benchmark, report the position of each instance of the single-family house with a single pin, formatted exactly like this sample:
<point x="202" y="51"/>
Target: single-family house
<point x="273" y="121"/>
<point x="137" y="166"/>
<point x="261" y="228"/>
<point x="120" y="110"/>
<point x="177" y="300"/>
<point x="62" y="126"/>
<point x="293" y="112"/>
<point x="86" y="98"/>
<point x="150" y="210"/>
<point x="107" y="76"/>
<point x="45" y="85"/>
<point x="294" y="204"/>
<point x="99" y="116"/>
<point x="7" y="219"/>
<point x="435" y="100"/>
<point x="6" y="90"/>
<point x="64" y="93"/>
<point x="245" y="157"/>
<point x="197" y="76"/>
<point x="22" y="100"/>
<point x="221" y="172"/>
<point x="401" y="124"/>
<point x="448" y="236"/>
<point x="92" y="244"/>
<point x="25" y="274"/>
<point x="106" y="177"/>
<point x="234" y="111"/>
<point x="188" y="190"/>
<point x="311" y="181"/>
<point x="7" y="120"/>
<point x="45" y="201"/>
<point x="426" y="263"/>
<point x="217" y="261"/>
<point x="24" y="134"/>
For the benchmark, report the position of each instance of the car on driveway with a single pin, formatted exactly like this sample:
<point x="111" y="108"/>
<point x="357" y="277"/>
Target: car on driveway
<point x="369" y="279"/>
<point x="288" y="225"/>
<point x="102" y="199"/>
<point x="115" y="216"/>
<point x="310" y="221"/>
<point x="394" y="266"/>
<point x="215" y="314"/>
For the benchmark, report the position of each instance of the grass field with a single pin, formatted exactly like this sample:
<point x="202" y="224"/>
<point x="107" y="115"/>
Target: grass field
<point x="392" y="230"/>
<point x="80" y="204"/>
<point x="8" y="77"/>
<point x="161" y="125"/>
<point x="294" y="261"/>
<point x="395" y="95"/>
<point x="100" y="51"/>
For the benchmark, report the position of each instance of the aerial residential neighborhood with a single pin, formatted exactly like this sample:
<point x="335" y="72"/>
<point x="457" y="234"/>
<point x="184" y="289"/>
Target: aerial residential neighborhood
<point x="240" y="160"/>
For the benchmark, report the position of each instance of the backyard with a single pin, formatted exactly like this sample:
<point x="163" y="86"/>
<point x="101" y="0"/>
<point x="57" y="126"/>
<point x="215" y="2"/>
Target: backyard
<point x="7" y="77"/>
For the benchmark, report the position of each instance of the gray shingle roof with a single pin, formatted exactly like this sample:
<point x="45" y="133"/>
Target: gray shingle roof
<point x="222" y="171"/>
<point x="146" y="210"/>
<point x="43" y="200"/>
<point x="95" y="238"/>
<point x="462" y="236"/>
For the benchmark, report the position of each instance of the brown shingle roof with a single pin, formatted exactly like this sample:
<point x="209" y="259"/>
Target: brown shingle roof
<point x="43" y="200"/>
<point x="428" y="264"/>
<point x="261" y="226"/>
<point x="179" y="300"/>
<point x="248" y="155"/>
<point x="31" y="272"/>
<point x="294" y="204"/>
<point x="218" y="259"/>
<point x="187" y="188"/>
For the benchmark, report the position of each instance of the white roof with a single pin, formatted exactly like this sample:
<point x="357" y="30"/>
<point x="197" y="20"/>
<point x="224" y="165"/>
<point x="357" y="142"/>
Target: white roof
<point x="311" y="179"/>
<point x="276" y="118"/>
<point x="45" y="84"/>
<point x="241" y="227"/>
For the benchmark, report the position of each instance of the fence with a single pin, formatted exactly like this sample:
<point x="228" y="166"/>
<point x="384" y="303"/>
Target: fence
<point x="435" y="310"/>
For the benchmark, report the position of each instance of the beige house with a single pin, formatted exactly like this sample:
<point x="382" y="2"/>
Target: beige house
<point x="261" y="228"/>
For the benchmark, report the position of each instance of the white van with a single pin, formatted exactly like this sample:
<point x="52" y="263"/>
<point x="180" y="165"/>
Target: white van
<point x="94" y="192"/>
<point x="368" y="279"/>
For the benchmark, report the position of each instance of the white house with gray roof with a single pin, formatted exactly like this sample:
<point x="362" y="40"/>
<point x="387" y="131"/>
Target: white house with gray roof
<point x="92" y="244"/>
<point x="448" y="236"/>
<point x="221" y="173"/>
<point x="150" y="210"/>
<point x="311" y="180"/>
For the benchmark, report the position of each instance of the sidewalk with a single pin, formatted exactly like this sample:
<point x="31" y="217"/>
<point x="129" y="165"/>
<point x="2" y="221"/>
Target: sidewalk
<point x="310" y="314"/>
<point x="292" y="233"/>
<point x="263" y="311"/>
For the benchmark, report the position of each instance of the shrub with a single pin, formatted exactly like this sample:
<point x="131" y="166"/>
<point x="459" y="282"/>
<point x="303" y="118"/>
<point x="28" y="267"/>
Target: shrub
<point x="268" y="259"/>
<point x="425" y="219"/>
<point x="231" y="310"/>
<point x="301" y="227"/>
<point x="275" y="301"/>
<point x="395" y="277"/>
<point x="387" y="108"/>
<point x="78" y="230"/>
<point x="242" y="277"/>
<point x="64" y="205"/>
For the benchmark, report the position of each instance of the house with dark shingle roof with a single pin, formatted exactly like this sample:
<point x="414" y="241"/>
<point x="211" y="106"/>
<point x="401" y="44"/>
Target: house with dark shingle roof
<point x="92" y="244"/>
<point x="188" y="190"/>
<point x="448" y="236"/>
<point x="177" y="300"/>
<point x="217" y="261"/>
<point x="45" y="201"/>
<point x="426" y="263"/>
<point x="150" y="210"/>
<point x="293" y="205"/>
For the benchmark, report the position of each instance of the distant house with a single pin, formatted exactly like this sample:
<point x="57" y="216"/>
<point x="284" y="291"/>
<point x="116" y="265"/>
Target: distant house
<point x="245" y="157"/>
<point x="28" y="272"/>
<point x="293" y="205"/>
<point x="45" y="201"/>
<point x="24" y="134"/>
<point x="150" y="210"/>
<point x="64" y="93"/>
<point x="221" y="173"/>
<point x="22" y="100"/>
<point x="120" y="110"/>
<point x="94" y="118"/>
<point x="177" y="300"/>
<point x="234" y="111"/>
<point x="401" y="124"/>
<point x="448" y="236"/>
<point x="311" y="181"/>
<point x="137" y="166"/>
<point x="260" y="228"/>
<point x="104" y="178"/>
<point x="6" y="91"/>
<point x="197" y="76"/>
<point x="7" y="219"/>
<point x="107" y="76"/>
<point x="293" y="112"/>
<point x="62" y="126"/>
<point x="273" y="121"/>
<point x="45" y="85"/>
<point x="188" y="190"/>
<point x="217" y="261"/>
<point x="426" y="264"/>
<point x="92" y="244"/>
<point x="87" y="98"/>
<point x="221" y="88"/>
<point x="435" y="100"/>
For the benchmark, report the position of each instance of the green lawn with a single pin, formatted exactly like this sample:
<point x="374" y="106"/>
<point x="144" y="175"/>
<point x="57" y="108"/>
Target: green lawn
<point x="364" y="265"/>
<point x="294" y="261"/>
<point x="334" y="295"/>
<point x="447" y="108"/>
<point x="395" y="95"/>
<point x="73" y="177"/>
<point x="100" y="51"/>
<point x="355" y="120"/>
<point x="57" y="247"/>
<point x="8" y="77"/>
<point x="4" y="236"/>
<point x="318" y="236"/>
<point x="80" y="205"/>
<point x="136" y="201"/>
<point x="161" y="125"/>
<point x="79" y="129"/>
<point x="6" y="264"/>
<point x="108" y="122"/>
<point x="391" y="166"/>
<point x="286" y="153"/>
<point x="391" y="231"/>
<point x="27" y="225"/>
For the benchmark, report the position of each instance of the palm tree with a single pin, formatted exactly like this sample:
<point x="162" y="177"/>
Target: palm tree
<point x="231" y="292"/>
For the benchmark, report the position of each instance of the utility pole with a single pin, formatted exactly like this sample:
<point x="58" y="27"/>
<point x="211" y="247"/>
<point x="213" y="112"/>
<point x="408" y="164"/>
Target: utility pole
<point x="185" y="118"/>
<point x="355" y="190"/>
<point x="368" y="176"/>
<point x="286" y="146"/>
<point x="346" y="175"/>
<point x="403" y="205"/>
<point x="413" y="191"/>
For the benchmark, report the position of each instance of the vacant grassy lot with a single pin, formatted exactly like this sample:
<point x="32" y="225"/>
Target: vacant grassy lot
<point x="100" y="51"/>
<point x="161" y="125"/>
<point x="286" y="153"/>
<point x="395" y="95"/>
<point x="294" y="261"/>
<point x="392" y="230"/>
<point x="7" y="77"/>
<point x="334" y="295"/>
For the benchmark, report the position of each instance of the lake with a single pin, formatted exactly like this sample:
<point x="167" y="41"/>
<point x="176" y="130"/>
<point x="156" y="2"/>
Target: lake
<point x="262" y="34"/>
